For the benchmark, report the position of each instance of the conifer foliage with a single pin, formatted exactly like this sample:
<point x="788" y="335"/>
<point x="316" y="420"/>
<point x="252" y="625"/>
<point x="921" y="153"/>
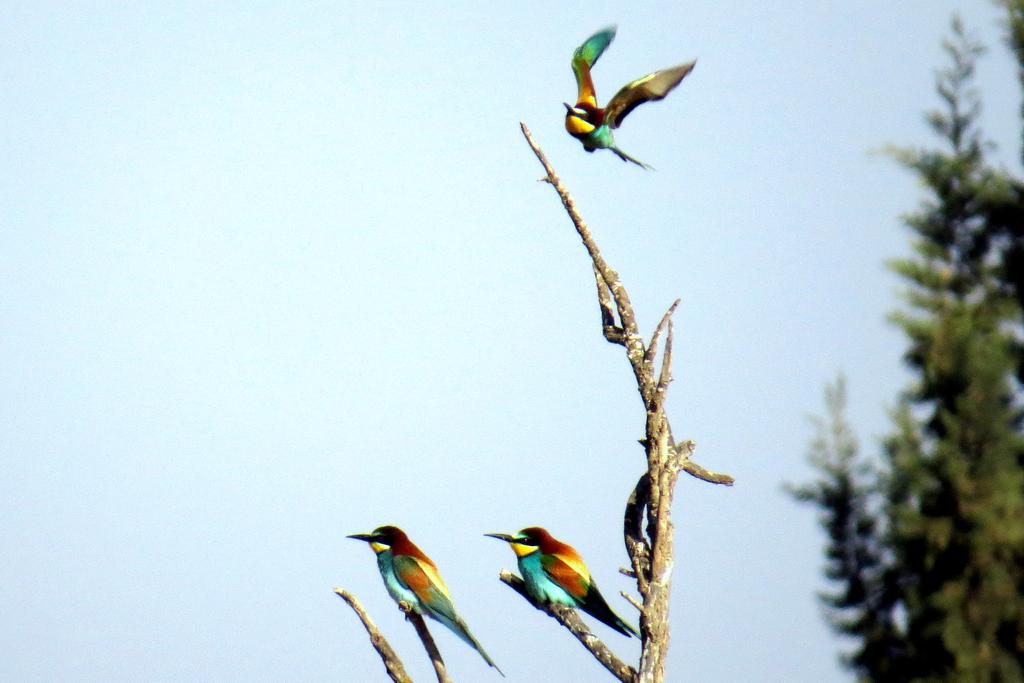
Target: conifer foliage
<point x="926" y="545"/>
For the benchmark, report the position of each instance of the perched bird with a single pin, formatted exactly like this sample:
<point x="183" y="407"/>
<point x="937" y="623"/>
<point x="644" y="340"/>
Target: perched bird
<point x="411" y="577"/>
<point x="554" y="573"/>
<point x="592" y="125"/>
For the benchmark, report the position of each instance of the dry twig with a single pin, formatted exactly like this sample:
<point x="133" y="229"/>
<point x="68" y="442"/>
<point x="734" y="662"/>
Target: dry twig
<point x="650" y="546"/>
<point x="428" y="641"/>
<point x="570" y="619"/>
<point x="392" y="663"/>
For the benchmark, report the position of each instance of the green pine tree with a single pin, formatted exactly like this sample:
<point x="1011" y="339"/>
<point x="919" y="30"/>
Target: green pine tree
<point x="928" y="547"/>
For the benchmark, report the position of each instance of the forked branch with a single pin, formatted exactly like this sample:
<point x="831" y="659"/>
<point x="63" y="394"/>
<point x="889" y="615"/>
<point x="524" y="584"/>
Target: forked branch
<point x="392" y="664"/>
<point x="650" y="545"/>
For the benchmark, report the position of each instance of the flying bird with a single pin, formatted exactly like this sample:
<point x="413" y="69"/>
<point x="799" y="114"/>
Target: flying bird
<point x="592" y="125"/>
<point x="411" y="577"/>
<point x="554" y="573"/>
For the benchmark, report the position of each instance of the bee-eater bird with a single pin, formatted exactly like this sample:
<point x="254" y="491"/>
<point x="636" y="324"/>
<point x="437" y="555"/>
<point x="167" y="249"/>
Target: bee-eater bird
<point x="592" y="125"/>
<point x="554" y="573"/>
<point x="411" y="577"/>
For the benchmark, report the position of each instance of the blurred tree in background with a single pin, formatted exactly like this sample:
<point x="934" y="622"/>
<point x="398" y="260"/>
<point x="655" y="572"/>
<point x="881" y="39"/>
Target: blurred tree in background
<point x="926" y="548"/>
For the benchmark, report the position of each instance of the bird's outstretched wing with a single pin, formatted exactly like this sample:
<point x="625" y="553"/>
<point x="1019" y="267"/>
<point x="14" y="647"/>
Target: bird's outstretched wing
<point x="584" y="58"/>
<point x="650" y="88"/>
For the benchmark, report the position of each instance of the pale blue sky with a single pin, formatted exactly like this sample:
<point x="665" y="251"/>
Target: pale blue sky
<point x="273" y="274"/>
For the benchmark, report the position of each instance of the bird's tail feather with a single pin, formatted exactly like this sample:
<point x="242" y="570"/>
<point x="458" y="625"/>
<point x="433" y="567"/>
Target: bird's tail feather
<point x="596" y="606"/>
<point x="625" y="157"/>
<point x="629" y="627"/>
<point x="458" y="626"/>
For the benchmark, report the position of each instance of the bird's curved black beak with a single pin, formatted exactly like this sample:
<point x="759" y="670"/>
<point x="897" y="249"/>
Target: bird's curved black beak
<point x="502" y="537"/>
<point x="361" y="537"/>
<point x="571" y="110"/>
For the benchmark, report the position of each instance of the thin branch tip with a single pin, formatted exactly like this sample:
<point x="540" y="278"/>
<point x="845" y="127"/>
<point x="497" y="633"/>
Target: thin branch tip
<point x="633" y="601"/>
<point x="392" y="664"/>
<point x="647" y="524"/>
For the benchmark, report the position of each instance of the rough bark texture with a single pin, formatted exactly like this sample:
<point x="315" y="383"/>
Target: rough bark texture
<point x="392" y="663"/>
<point x="650" y="545"/>
<point x="570" y="619"/>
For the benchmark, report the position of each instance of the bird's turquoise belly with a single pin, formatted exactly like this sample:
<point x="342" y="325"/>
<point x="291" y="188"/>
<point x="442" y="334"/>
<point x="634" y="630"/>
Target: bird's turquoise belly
<point x="599" y="138"/>
<point x="396" y="590"/>
<point x="539" y="586"/>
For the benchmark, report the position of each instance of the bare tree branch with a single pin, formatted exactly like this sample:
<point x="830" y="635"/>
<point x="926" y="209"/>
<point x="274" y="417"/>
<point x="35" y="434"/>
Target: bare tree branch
<point x="652" y="348"/>
<point x="695" y="470"/>
<point x="654" y="624"/>
<point x="665" y="376"/>
<point x="570" y="619"/>
<point x="616" y="335"/>
<point x="650" y="546"/>
<point x="637" y="548"/>
<point x="428" y="641"/>
<point x="392" y="663"/>
<point x="631" y="600"/>
<point x="683" y="451"/>
<point x="633" y="342"/>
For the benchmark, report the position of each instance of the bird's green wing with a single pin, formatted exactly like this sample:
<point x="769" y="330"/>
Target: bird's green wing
<point x="650" y="88"/>
<point x="423" y="580"/>
<point x="584" y="58"/>
<point x="567" y="572"/>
